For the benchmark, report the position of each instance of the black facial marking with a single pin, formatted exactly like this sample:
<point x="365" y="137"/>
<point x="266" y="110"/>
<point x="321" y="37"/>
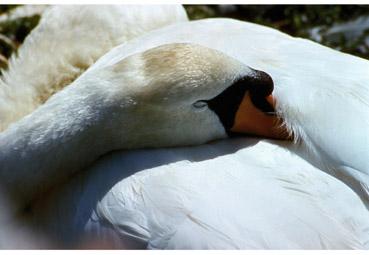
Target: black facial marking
<point x="226" y="104"/>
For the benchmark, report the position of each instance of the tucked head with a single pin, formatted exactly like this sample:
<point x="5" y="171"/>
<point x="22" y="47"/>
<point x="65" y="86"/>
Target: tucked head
<point x="181" y="94"/>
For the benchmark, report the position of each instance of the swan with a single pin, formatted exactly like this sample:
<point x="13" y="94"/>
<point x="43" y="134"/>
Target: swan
<point x="127" y="194"/>
<point x="319" y="114"/>
<point x="192" y="214"/>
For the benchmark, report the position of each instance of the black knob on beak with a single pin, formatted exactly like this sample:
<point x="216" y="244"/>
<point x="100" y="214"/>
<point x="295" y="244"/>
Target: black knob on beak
<point x="260" y="86"/>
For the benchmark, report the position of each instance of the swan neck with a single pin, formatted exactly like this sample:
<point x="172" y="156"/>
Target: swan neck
<point x="49" y="146"/>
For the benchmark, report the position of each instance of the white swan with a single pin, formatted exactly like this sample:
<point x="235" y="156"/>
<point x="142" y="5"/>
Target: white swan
<point x="143" y="221"/>
<point x="195" y="214"/>
<point x="325" y="105"/>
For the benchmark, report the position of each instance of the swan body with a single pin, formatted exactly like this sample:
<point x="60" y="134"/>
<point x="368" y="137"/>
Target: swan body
<point x="237" y="200"/>
<point x="234" y="194"/>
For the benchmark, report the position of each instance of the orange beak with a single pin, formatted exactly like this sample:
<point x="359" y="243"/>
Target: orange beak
<point x="251" y="120"/>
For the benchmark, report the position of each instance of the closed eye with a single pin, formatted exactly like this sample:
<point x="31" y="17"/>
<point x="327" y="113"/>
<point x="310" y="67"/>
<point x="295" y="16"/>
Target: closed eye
<point x="200" y="104"/>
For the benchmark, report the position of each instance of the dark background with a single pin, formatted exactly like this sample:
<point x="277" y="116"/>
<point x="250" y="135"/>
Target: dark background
<point x="343" y="27"/>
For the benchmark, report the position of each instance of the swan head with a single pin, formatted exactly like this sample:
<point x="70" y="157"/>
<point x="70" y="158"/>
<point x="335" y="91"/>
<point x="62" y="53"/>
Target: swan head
<point x="183" y="94"/>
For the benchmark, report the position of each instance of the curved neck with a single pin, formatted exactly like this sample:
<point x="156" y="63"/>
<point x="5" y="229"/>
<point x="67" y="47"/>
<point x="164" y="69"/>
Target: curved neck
<point x="51" y="144"/>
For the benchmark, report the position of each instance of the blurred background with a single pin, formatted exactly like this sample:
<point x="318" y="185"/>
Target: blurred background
<point x="342" y="27"/>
